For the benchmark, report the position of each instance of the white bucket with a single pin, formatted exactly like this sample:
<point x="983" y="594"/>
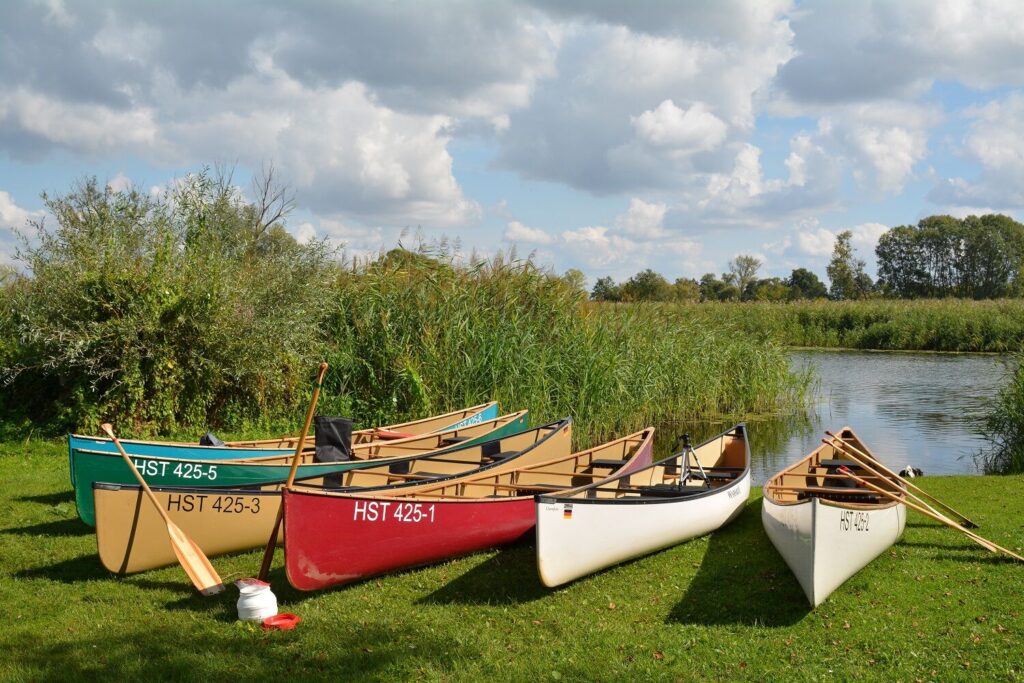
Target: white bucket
<point x="256" y="601"/>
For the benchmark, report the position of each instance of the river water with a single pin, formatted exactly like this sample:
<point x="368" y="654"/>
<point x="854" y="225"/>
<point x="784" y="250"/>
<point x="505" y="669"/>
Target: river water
<point x="915" y="409"/>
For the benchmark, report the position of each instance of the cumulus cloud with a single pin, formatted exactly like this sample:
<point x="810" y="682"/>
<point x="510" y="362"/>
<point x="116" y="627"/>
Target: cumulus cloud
<point x="643" y="219"/>
<point x="13" y="219"/>
<point x="817" y="242"/>
<point x="683" y="130"/>
<point x="995" y="142"/>
<point x="856" y="52"/>
<point x="517" y="232"/>
<point x="120" y="183"/>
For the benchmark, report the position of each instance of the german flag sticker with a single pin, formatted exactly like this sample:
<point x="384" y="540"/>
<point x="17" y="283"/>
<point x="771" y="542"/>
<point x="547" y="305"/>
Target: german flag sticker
<point x="567" y="511"/>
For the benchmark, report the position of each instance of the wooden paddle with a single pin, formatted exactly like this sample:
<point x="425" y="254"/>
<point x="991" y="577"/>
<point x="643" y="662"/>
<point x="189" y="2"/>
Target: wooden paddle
<point x="268" y="554"/>
<point x="195" y="563"/>
<point x="854" y="451"/>
<point x="872" y="465"/>
<point x="984" y="542"/>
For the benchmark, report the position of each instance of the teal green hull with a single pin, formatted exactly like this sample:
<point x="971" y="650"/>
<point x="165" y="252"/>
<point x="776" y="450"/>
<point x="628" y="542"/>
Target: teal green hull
<point x="92" y="467"/>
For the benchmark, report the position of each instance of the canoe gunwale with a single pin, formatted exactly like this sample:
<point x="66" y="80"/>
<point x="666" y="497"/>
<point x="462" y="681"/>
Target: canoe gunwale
<point x="554" y="427"/>
<point x="769" y="489"/>
<point x="644" y="436"/>
<point x="626" y="500"/>
<point x="465" y="413"/>
<point x="354" y="463"/>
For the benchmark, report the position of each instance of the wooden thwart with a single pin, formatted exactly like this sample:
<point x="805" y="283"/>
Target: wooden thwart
<point x="195" y="563"/>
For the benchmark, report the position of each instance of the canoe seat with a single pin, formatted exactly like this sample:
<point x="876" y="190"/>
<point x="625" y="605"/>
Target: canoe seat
<point x="669" y="490"/>
<point x="714" y="476"/>
<point x="452" y="440"/>
<point x="840" y="495"/>
<point x="836" y="464"/>
<point x="609" y="463"/>
<point x="495" y="457"/>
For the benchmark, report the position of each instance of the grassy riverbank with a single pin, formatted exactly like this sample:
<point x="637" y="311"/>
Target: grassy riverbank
<point x="934" y="607"/>
<point x="883" y="324"/>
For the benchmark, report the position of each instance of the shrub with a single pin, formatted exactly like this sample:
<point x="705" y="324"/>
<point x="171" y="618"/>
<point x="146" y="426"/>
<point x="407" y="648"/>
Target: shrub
<point x="160" y="311"/>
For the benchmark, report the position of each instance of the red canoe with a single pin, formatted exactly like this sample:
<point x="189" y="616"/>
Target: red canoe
<point x="336" y="538"/>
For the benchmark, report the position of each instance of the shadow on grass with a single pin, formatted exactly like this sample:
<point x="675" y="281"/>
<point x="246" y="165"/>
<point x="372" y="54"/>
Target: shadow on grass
<point x="60" y="527"/>
<point x="244" y="651"/>
<point x="507" y="578"/>
<point x="75" y="570"/>
<point x="742" y="580"/>
<point x="49" y="498"/>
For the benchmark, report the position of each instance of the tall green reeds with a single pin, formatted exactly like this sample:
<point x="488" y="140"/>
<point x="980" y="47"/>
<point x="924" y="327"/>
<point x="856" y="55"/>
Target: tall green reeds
<point x="413" y="335"/>
<point x="1004" y="428"/>
<point x="178" y="313"/>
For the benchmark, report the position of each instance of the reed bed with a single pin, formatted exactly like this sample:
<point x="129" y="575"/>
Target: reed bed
<point x="406" y="334"/>
<point x="884" y="324"/>
<point x="1004" y="427"/>
<point x="417" y="336"/>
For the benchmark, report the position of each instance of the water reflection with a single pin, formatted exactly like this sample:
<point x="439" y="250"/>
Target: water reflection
<point x="909" y="408"/>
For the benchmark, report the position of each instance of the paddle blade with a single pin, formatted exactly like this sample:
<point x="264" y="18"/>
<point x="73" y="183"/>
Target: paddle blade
<point x="194" y="561"/>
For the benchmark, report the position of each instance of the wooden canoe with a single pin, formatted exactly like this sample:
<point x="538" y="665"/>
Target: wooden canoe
<point x="335" y="538"/>
<point x="93" y="466"/>
<point x="284" y="445"/>
<point x="131" y="536"/>
<point x="826" y="526"/>
<point x="593" y="527"/>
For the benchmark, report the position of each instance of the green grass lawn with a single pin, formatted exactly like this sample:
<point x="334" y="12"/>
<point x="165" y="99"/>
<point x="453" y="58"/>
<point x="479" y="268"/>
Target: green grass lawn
<point x="934" y="607"/>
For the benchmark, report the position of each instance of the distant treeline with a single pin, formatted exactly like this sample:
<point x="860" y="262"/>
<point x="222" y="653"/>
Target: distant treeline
<point x="978" y="257"/>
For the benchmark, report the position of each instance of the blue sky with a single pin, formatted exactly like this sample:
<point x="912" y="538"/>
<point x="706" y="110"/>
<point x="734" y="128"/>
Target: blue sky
<point x="599" y="135"/>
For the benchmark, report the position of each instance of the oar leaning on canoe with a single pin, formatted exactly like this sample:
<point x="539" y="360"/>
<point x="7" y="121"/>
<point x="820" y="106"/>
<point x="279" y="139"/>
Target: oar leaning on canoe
<point x="93" y="467"/>
<point x="129" y="531"/>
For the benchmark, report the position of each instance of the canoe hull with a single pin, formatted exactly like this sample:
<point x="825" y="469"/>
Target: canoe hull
<point x="91" y="467"/>
<point x="371" y="536"/>
<point x="132" y="537"/>
<point x="231" y="520"/>
<point x="578" y="537"/>
<point x="825" y="543"/>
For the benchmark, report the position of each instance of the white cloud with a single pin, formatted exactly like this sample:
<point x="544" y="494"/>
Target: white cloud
<point x="683" y="130"/>
<point x="643" y="220"/>
<point x="818" y="242"/>
<point x="84" y="128"/>
<point x="120" y="183"/>
<point x="13" y="219"/>
<point x="517" y="232"/>
<point x="995" y="141"/>
<point x="305" y="233"/>
<point x="866" y="235"/>
<point x="597" y="247"/>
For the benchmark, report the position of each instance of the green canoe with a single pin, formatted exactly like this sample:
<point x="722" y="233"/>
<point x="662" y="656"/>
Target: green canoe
<point x="95" y="466"/>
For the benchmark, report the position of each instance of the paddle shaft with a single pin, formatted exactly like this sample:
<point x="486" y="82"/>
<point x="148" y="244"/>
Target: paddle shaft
<point x="196" y="565"/>
<point x="866" y="463"/>
<point x="268" y="554"/>
<point x="906" y="481"/>
<point x="984" y="542"/>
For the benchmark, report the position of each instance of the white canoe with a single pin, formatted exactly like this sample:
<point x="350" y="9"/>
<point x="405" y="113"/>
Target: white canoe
<point x="593" y="527"/>
<point x="825" y="529"/>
